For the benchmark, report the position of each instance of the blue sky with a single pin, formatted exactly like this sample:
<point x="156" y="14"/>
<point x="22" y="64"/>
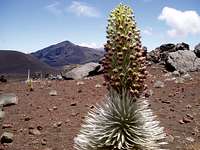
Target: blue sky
<point x="30" y="25"/>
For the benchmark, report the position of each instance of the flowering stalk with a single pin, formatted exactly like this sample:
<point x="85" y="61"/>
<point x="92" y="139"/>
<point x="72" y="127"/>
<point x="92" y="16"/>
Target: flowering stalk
<point x="29" y="82"/>
<point x="124" y="62"/>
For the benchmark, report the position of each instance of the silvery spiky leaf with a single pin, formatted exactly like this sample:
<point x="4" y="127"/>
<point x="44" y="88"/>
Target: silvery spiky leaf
<point x="120" y="123"/>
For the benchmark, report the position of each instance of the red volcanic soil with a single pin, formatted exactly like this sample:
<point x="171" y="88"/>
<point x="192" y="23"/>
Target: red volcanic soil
<point x="58" y="118"/>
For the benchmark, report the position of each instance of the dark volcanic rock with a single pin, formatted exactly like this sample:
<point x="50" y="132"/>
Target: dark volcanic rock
<point x="167" y="48"/>
<point x="154" y="56"/>
<point x="182" y="46"/>
<point x="197" y="50"/>
<point x="66" y="53"/>
<point x="160" y="54"/>
<point x="3" y="79"/>
<point x="7" y="137"/>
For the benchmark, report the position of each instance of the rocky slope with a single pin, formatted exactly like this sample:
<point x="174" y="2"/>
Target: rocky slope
<point x="177" y="57"/>
<point x="13" y="62"/>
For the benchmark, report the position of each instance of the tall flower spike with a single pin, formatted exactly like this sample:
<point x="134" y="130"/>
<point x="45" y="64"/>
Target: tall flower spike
<point x="124" y="51"/>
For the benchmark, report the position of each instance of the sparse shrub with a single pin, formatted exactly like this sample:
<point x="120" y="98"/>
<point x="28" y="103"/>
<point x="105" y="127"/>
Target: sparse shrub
<point x="123" y="121"/>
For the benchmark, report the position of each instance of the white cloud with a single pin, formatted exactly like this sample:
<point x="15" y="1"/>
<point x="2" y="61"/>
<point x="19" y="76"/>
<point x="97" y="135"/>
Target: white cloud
<point x="182" y="23"/>
<point x="54" y="8"/>
<point x="91" y="45"/>
<point x="148" y="31"/>
<point x="82" y="9"/>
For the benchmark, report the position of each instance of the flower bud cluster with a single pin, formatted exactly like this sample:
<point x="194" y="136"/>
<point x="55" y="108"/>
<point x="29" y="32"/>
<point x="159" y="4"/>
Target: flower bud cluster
<point x="124" y="61"/>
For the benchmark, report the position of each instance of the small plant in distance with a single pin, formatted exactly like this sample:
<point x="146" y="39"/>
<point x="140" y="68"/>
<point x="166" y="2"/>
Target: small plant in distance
<point x="123" y="121"/>
<point x="29" y="82"/>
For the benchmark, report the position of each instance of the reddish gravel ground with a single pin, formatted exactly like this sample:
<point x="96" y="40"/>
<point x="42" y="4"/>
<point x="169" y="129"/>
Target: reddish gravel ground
<point x="58" y="118"/>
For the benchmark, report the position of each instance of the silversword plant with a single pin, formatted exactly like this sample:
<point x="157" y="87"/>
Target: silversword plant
<point x="123" y="120"/>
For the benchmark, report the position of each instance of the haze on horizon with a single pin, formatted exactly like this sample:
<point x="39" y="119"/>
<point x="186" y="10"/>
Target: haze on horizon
<point x="28" y="26"/>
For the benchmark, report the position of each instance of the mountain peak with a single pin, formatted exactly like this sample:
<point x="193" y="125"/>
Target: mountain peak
<point x="65" y="53"/>
<point x="65" y="43"/>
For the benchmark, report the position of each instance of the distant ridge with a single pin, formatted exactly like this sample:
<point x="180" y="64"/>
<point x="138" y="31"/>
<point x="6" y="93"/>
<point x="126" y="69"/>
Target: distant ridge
<point x="66" y="53"/>
<point x="17" y="62"/>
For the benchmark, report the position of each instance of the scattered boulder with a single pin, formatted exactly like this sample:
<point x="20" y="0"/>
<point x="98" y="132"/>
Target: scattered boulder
<point x="190" y="116"/>
<point x="55" y="108"/>
<point x="182" y="61"/>
<point x="50" y="77"/>
<point x="54" y="77"/>
<point x="7" y="99"/>
<point x="187" y="76"/>
<point x="79" y="91"/>
<point x="74" y="114"/>
<point x="2" y="114"/>
<point x="3" y="79"/>
<point x="1" y="111"/>
<point x="176" y="74"/>
<point x="83" y="71"/>
<point x="182" y="46"/>
<point x="188" y="106"/>
<point x="181" y="121"/>
<point x="34" y="132"/>
<point x="7" y="137"/>
<point x="167" y="47"/>
<point x="73" y="104"/>
<point x="53" y="93"/>
<point x="170" y="79"/>
<point x="154" y="56"/>
<point x="59" y="77"/>
<point x="57" y="124"/>
<point x="44" y="142"/>
<point x="68" y="68"/>
<point x="166" y="101"/>
<point x="27" y="118"/>
<point x="187" y="120"/>
<point x="179" y="80"/>
<point x="6" y="126"/>
<point x="148" y="93"/>
<point x="168" y="74"/>
<point x="197" y="50"/>
<point x="98" y="86"/>
<point x="158" y="84"/>
<point x="80" y="83"/>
